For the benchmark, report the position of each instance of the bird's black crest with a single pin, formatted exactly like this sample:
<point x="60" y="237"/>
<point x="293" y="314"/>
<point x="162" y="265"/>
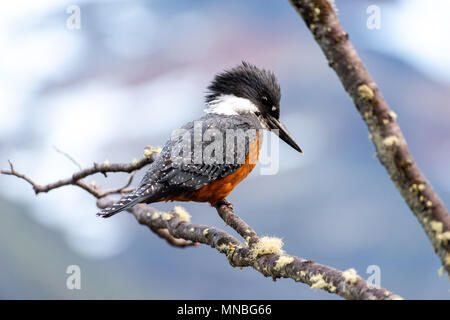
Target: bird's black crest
<point x="247" y="81"/>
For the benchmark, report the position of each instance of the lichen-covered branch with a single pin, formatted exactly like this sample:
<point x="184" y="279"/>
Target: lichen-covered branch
<point x="392" y="150"/>
<point x="263" y="254"/>
<point x="225" y="210"/>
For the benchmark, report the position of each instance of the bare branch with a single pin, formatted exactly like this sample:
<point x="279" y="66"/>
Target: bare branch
<point x="76" y="178"/>
<point x="121" y="190"/>
<point x="13" y="172"/>
<point x="390" y="144"/>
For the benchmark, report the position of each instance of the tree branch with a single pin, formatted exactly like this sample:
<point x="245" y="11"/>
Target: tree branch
<point x="263" y="254"/>
<point x="390" y="144"/>
<point x="150" y="154"/>
<point x="225" y="210"/>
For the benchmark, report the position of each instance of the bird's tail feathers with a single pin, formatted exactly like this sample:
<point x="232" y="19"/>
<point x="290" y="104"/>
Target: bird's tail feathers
<point x="124" y="203"/>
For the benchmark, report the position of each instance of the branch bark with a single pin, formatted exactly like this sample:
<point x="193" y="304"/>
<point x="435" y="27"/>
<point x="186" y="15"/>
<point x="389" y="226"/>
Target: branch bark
<point x="390" y="144"/>
<point x="263" y="254"/>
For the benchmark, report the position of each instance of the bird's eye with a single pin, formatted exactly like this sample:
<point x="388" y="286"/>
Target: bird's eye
<point x="267" y="103"/>
<point x="257" y="113"/>
<point x="274" y="108"/>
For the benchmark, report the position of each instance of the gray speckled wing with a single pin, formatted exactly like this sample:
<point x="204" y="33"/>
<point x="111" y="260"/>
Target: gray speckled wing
<point x="182" y="177"/>
<point x="173" y="174"/>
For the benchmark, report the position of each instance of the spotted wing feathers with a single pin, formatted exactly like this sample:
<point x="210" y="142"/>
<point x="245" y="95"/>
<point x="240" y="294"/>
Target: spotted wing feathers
<point x="168" y="177"/>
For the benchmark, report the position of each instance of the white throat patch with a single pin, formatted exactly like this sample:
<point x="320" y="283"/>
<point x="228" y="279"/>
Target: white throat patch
<point x="230" y="105"/>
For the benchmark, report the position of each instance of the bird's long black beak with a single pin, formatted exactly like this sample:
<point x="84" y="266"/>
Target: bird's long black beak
<point x="283" y="133"/>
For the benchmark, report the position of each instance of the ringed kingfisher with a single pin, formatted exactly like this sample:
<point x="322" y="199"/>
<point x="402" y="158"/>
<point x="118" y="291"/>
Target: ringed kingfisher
<point x="243" y="98"/>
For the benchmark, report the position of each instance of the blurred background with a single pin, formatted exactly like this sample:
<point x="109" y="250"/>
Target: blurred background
<point x="136" y="70"/>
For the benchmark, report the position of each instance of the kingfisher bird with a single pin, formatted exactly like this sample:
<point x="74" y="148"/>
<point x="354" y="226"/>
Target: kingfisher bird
<point x="240" y="101"/>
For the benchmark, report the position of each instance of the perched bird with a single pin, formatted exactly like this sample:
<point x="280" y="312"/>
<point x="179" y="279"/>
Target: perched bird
<point x="240" y="101"/>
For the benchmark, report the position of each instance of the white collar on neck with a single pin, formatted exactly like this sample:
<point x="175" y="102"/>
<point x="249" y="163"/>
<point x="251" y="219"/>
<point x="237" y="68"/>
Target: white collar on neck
<point x="230" y="105"/>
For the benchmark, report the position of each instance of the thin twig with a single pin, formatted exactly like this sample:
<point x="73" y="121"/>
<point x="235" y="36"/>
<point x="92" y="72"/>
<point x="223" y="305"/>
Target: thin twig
<point x="76" y="178"/>
<point x="68" y="156"/>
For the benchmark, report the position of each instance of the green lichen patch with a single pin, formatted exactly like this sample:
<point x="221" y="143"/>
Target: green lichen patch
<point x="365" y="92"/>
<point x="350" y="276"/>
<point x="282" y="262"/>
<point x="267" y="245"/>
<point x="390" y="141"/>
<point x="182" y="213"/>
